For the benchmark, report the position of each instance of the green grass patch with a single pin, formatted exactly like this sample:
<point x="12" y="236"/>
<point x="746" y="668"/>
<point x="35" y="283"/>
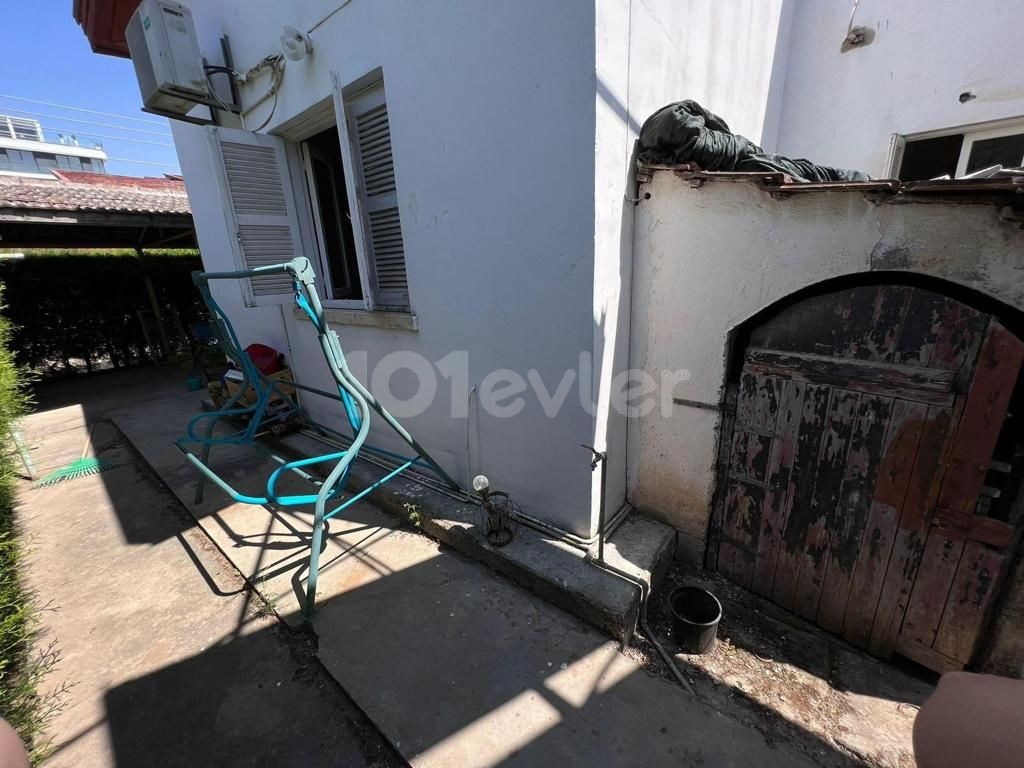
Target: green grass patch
<point x="23" y="662"/>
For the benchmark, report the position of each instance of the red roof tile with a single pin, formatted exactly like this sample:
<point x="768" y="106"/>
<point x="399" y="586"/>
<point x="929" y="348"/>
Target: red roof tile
<point x="82" y="191"/>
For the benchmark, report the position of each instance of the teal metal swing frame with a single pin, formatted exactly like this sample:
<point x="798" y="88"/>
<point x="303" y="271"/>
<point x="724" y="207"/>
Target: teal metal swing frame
<point x="358" y="402"/>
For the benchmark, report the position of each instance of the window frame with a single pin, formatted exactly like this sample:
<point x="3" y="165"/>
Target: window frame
<point x="971" y="133"/>
<point x="295" y="132"/>
<point x="325" y="278"/>
<point x="321" y="116"/>
<point x="970" y="137"/>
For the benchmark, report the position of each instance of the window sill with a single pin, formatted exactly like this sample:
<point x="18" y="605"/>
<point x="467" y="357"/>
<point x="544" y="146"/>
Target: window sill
<point x="397" y="321"/>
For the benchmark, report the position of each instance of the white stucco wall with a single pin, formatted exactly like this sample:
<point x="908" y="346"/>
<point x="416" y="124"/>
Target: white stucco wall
<point x="492" y="117"/>
<point x="513" y="127"/>
<point x="650" y="54"/>
<point x="842" y="108"/>
<point x="708" y="259"/>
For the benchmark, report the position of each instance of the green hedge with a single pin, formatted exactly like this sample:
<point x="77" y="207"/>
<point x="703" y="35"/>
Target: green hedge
<point x="22" y="667"/>
<point x="74" y="309"/>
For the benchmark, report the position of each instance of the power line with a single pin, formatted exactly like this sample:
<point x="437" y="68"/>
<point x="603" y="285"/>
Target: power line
<point x="115" y="138"/>
<point x="61" y="129"/>
<point x="325" y="18"/>
<point x="144" y="162"/>
<point x="81" y="109"/>
<point x="77" y="132"/>
<point x="88" y="122"/>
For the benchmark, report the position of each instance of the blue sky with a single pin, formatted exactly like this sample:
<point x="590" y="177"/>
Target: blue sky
<point x="56" y="65"/>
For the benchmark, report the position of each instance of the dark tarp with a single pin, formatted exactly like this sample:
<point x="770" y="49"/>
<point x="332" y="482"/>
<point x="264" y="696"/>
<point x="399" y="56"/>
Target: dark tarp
<point x="685" y="132"/>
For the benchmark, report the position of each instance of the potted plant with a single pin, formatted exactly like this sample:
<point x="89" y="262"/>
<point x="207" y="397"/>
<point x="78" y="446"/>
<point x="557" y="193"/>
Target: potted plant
<point x="187" y="363"/>
<point x="211" y="361"/>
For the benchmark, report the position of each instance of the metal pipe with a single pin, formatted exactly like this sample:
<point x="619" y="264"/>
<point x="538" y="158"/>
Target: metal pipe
<point x="601" y="506"/>
<point x="601" y="457"/>
<point x="315" y="391"/>
<point x="642" y="619"/>
<point x="26" y="459"/>
<point x="334" y="438"/>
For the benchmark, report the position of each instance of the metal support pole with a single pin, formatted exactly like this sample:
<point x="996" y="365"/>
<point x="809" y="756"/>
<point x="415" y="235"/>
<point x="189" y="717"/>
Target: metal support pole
<point x="26" y="459"/>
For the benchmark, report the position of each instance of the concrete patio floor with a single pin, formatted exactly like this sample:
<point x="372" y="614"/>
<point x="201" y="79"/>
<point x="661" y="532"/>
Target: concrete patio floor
<point x="454" y="664"/>
<point x="170" y="663"/>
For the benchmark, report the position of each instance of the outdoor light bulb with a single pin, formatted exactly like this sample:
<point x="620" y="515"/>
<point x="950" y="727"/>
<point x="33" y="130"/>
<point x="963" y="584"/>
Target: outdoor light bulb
<point x="295" y="45"/>
<point x="481" y="483"/>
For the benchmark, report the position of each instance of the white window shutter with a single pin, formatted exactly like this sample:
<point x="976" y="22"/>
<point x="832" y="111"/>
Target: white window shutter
<point x="370" y="134"/>
<point x="260" y="206"/>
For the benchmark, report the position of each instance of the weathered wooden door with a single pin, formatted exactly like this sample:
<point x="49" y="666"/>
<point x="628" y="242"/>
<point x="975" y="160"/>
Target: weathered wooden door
<point x="868" y="482"/>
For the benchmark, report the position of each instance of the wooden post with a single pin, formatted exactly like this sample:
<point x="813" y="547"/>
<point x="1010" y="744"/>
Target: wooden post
<point x="155" y="306"/>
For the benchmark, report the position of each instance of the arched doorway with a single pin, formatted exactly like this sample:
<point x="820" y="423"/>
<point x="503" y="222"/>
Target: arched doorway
<point x="873" y="466"/>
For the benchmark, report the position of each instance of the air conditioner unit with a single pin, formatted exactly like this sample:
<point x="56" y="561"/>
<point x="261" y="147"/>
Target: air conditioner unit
<point x="168" y="65"/>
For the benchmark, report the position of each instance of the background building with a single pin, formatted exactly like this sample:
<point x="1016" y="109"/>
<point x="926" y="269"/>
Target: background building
<point x="26" y="151"/>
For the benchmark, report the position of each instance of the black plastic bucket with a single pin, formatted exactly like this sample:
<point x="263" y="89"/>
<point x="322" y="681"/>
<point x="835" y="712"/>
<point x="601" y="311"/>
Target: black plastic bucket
<point x="695" y="616"/>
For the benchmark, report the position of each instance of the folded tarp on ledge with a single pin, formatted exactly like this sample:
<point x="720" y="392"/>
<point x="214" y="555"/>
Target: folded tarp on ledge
<point x="685" y="132"/>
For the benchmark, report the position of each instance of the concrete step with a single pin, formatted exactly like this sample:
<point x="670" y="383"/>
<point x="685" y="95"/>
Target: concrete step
<point x="551" y="569"/>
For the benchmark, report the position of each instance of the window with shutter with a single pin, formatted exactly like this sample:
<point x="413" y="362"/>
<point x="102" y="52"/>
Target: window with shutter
<point x="332" y="218"/>
<point x="260" y="205"/>
<point x="370" y="137"/>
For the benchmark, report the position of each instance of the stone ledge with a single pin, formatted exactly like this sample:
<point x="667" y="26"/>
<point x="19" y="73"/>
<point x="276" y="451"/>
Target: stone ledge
<point x="549" y="568"/>
<point x="398" y="321"/>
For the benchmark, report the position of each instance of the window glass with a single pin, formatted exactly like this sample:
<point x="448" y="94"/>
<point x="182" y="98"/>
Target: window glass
<point x="1007" y="151"/>
<point x="330" y="196"/>
<point x="931" y="158"/>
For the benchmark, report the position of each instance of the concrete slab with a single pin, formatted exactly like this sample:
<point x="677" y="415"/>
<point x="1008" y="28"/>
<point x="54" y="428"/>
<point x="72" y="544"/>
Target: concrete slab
<point x="169" y="664"/>
<point x="275" y="555"/>
<point x="458" y="667"/>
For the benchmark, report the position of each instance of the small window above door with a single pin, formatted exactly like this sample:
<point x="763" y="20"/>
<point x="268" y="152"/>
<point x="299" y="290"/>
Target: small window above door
<point x="985" y="149"/>
<point x="959" y="153"/>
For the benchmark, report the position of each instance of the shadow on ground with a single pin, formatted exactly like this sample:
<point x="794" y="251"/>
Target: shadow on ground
<point x="562" y="691"/>
<point x="793" y="674"/>
<point x="229" y="706"/>
<point x="433" y="653"/>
